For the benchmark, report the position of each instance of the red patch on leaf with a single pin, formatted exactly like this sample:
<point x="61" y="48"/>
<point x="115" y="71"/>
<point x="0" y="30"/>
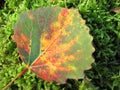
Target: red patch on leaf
<point x="65" y="12"/>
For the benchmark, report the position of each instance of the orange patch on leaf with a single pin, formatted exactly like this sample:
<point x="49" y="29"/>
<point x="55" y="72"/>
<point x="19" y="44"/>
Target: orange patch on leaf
<point x="65" y="12"/>
<point x="22" y="41"/>
<point x="49" y="69"/>
<point x="30" y="16"/>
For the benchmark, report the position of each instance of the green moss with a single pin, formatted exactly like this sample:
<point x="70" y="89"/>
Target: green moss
<point x="104" y="26"/>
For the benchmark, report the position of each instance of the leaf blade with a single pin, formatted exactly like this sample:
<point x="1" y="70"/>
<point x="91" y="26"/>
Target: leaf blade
<point x="56" y="39"/>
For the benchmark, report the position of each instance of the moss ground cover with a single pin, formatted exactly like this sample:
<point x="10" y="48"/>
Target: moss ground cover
<point x="104" y="27"/>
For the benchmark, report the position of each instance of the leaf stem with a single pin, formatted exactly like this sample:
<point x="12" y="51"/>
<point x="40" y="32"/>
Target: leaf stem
<point x="19" y="75"/>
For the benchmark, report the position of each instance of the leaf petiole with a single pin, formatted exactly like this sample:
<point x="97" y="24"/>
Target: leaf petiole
<point x="18" y="76"/>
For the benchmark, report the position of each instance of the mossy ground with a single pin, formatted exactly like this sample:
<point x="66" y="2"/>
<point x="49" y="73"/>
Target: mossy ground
<point x="104" y="27"/>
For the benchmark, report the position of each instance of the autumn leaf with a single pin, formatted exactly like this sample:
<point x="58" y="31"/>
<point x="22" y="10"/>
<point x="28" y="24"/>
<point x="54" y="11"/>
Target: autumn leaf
<point x="54" y="43"/>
